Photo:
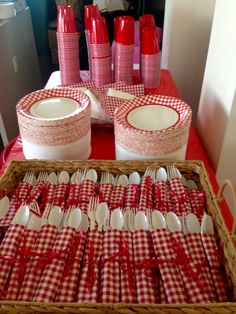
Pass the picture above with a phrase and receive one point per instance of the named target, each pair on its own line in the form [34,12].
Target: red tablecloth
[103,146]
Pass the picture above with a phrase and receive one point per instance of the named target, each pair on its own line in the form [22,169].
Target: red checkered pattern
[132,195]
[144,277]
[68,287]
[172,280]
[117,197]
[60,194]
[162,293]
[160,196]
[35,192]
[9,247]
[87,189]
[195,289]
[43,244]
[145,200]
[127,282]
[14,283]
[87,84]
[52,274]
[109,105]
[105,190]
[73,195]
[47,195]
[198,256]
[116,85]
[197,202]
[110,272]
[211,251]
[178,200]
[88,288]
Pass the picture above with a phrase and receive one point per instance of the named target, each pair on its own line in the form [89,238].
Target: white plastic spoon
[134,178]
[122,180]
[193,224]
[84,224]
[173,222]
[74,218]
[92,175]
[207,224]
[55,216]
[52,178]
[158,220]
[101,214]
[117,219]
[63,177]
[22,215]
[140,221]
[161,174]
[34,222]
[4,204]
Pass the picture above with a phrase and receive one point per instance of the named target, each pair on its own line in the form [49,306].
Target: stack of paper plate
[55,124]
[152,127]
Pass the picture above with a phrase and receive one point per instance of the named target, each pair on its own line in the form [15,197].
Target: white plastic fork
[150,172]
[29,178]
[34,208]
[46,214]
[91,211]
[42,177]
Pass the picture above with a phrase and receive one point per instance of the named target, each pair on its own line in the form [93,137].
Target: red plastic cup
[124,30]
[98,31]
[90,10]
[66,20]
[146,20]
[149,41]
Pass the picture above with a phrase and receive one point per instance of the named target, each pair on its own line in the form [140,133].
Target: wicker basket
[191,169]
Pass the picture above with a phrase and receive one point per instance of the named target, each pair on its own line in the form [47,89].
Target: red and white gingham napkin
[104,194]
[160,196]
[8,249]
[117,197]
[172,280]
[178,201]
[145,201]
[162,293]
[198,256]
[69,282]
[132,195]
[87,190]
[195,290]
[145,277]
[211,251]
[109,105]
[197,199]
[52,274]
[110,269]
[43,245]
[127,279]
[35,192]
[18,270]
[88,288]
[60,194]
[47,195]
[73,195]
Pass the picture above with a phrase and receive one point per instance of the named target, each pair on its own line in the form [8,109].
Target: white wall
[216,114]
[187,28]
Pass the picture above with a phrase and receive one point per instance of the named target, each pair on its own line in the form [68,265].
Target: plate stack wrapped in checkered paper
[152,127]
[55,124]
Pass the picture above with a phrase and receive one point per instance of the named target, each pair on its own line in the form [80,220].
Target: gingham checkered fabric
[9,247]
[52,274]
[160,197]
[60,194]
[198,256]
[211,251]
[195,290]
[145,200]
[109,105]
[47,195]
[117,197]
[68,286]
[35,192]
[110,271]
[132,195]
[20,195]
[178,201]
[88,288]
[88,84]
[105,190]
[73,195]
[162,293]
[14,283]
[87,189]
[197,202]
[43,244]
[127,277]
[173,284]
[144,277]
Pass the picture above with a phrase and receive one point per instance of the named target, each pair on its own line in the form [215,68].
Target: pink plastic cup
[90,10]
[124,30]
[149,41]
[66,20]
[146,20]
[98,31]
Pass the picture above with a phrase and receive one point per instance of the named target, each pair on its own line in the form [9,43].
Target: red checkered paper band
[52,274]
[8,249]
[197,202]
[35,192]
[117,197]
[146,281]
[34,271]
[72,195]
[105,191]
[88,288]
[47,195]
[69,282]
[60,194]
[145,200]
[18,270]
[160,196]
[87,190]
[132,195]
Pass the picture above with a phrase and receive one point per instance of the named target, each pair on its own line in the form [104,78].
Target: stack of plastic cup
[68,45]
[146,20]
[90,10]
[123,48]
[100,52]
[150,57]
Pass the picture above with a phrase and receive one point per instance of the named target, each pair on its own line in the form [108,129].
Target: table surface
[103,143]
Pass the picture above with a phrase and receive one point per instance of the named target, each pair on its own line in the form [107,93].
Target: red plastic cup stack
[100,51]
[68,45]
[90,10]
[123,48]
[150,57]
[146,20]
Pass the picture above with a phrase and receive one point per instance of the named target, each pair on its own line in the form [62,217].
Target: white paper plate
[152,117]
[54,108]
